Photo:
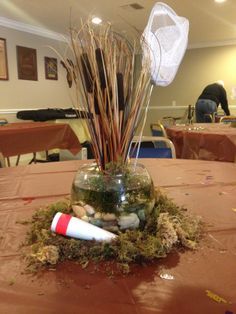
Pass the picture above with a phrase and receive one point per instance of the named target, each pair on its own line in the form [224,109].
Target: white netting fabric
[164,42]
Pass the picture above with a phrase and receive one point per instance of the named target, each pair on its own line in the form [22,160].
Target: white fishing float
[74,227]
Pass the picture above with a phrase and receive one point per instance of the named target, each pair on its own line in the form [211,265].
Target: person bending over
[209,100]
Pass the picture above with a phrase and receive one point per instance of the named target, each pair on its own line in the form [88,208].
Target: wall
[25,94]
[198,68]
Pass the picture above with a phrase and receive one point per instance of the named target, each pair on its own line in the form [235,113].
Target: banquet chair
[148,149]
[3,121]
[208,118]
[157,129]
[227,119]
[35,159]
[187,117]
[168,121]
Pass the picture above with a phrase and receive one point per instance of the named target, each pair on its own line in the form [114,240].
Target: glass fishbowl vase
[114,202]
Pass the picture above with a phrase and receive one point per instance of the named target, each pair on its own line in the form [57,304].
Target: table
[206,188]
[79,126]
[207,141]
[24,138]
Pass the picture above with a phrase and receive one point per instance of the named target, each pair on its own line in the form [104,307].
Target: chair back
[169,121]
[3,121]
[227,119]
[158,129]
[149,150]
[209,118]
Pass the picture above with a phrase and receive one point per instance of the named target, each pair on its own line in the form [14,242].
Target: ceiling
[210,23]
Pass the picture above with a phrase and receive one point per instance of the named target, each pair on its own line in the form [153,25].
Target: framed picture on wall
[50,68]
[27,63]
[3,60]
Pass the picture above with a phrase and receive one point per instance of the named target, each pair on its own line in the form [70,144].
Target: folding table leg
[18,159]
[2,161]
[33,159]
[8,162]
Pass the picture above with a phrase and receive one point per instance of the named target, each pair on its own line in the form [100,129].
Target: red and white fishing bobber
[76,228]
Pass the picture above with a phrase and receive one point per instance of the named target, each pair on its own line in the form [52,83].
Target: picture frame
[51,72]
[27,63]
[3,60]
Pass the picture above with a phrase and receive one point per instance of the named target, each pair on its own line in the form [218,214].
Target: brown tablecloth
[207,141]
[24,138]
[205,188]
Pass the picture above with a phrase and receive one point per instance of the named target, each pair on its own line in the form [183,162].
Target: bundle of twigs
[110,88]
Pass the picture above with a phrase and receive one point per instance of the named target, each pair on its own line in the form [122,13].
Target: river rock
[98,215]
[85,218]
[96,222]
[79,211]
[109,217]
[81,203]
[130,221]
[109,223]
[141,215]
[89,210]
[120,209]
[114,229]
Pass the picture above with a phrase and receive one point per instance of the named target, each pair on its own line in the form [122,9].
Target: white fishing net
[164,42]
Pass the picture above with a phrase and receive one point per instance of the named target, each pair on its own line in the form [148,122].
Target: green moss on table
[168,227]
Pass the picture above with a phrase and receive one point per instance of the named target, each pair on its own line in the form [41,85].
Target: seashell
[130,221]
[89,210]
[79,211]
[109,217]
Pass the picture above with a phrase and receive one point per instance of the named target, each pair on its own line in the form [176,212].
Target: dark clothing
[217,93]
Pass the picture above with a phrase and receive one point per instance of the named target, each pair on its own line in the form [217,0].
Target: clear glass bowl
[119,200]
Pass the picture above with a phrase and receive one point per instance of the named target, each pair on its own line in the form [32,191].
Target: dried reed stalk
[110,87]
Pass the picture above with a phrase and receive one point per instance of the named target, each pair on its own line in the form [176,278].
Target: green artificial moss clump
[167,227]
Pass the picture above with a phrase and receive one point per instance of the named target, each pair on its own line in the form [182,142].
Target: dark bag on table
[50,114]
